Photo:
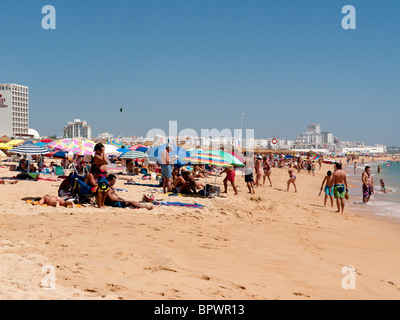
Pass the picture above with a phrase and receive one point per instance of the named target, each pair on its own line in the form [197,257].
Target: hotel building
[14,110]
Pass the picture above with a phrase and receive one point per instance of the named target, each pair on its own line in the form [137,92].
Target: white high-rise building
[14,110]
[77,129]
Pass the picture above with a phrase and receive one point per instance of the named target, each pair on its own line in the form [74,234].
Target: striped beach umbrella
[133,155]
[227,157]
[207,158]
[29,149]
[115,143]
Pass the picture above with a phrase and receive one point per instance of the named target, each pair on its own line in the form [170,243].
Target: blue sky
[201,62]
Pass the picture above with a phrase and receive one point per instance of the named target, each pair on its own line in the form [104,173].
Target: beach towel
[144,185]
[178,204]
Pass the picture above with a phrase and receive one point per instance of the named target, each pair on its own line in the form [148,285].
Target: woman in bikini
[100,160]
[292,178]
[267,171]
[259,171]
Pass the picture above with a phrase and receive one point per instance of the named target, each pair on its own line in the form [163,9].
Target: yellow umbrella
[5,146]
[13,143]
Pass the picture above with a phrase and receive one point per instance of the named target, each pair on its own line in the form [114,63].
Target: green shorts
[339,191]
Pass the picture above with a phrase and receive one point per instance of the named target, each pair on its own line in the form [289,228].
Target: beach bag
[210,191]
[13,167]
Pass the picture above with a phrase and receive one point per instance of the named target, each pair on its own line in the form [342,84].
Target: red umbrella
[46,140]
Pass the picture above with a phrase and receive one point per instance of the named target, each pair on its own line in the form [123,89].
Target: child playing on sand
[56,201]
[230,176]
[100,160]
[328,187]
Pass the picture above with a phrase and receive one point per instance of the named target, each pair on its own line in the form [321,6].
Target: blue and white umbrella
[154,154]
[29,149]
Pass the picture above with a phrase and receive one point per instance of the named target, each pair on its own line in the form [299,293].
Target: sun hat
[170,147]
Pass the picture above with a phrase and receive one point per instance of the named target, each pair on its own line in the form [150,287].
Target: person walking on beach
[259,171]
[328,187]
[379,169]
[166,170]
[267,171]
[340,188]
[248,172]
[292,178]
[230,176]
[367,186]
[355,167]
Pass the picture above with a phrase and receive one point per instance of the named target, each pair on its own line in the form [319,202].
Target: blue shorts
[329,191]
[166,171]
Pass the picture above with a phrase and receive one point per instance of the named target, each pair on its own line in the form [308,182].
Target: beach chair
[81,190]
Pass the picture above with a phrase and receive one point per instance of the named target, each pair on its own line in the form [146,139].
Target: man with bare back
[340,187]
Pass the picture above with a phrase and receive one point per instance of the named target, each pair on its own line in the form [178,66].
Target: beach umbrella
[46,140]
[228,157]
[29,149]
[206,158]
[5,146]
[123,150]
[58,154]
[2,155]
[115,143]
[135,147]
[41,144]
[60,144]
[13,143]
[111,150]
[154,154]
[133,155]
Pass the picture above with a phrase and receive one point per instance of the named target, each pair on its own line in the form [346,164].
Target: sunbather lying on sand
[113,200]
[56,201]
[7,182]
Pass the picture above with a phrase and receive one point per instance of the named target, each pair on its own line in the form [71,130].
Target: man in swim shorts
[230,176]
[367,184]
[328,187]
[166,170]
[340,187]
[248,172]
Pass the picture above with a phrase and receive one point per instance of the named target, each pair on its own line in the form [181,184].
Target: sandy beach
[271,245]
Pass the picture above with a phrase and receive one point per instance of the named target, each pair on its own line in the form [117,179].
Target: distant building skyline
[77,129]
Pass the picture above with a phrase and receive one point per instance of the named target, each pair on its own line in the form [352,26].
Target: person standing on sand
[166,170]
[328,188]
[100,161]
[367,187]
[259,171]
[355,167]
[230,176]
[340,187]
[267,171]
[248,172]
[379,169]
[292,178]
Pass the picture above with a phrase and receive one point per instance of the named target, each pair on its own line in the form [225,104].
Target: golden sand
[271,245]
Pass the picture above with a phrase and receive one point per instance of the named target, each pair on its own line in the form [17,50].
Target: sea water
[386,205]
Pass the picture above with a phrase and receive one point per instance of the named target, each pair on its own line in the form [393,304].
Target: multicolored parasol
[207,158]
